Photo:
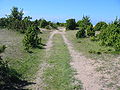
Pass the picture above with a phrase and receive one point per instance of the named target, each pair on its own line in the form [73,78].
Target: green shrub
[31,39]
[110,36]
[43,23]
[98,52]
[90,31]
[93,38]
[86,28]
[106,50]
[48,27]
[117,44]
[16,21]
[81,33]
[100,25]
[2,48]
[85,22]
[70,24]
[54,26]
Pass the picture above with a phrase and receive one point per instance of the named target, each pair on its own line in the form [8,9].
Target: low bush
[43,23]
[48,27]
[31,39]
[94,38]
[81,33]
[70,24]
[2,48]
[90,31]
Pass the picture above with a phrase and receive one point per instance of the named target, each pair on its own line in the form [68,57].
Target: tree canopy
[70,24]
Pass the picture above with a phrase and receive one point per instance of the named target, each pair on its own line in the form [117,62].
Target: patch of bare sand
[110,71]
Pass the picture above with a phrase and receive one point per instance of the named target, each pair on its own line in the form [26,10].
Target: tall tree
[16,14]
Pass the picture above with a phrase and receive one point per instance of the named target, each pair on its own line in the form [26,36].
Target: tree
[43,23]
[58,23]
[100,25]
[16,21]
[86,22]
[53,25]
[90,31]
[70,24]
[81,33]
[16,14]
[80,23]
[31,39]
[3,22]
[86,28]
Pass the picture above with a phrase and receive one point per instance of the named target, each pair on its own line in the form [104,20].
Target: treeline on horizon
[109,32]
[17,21]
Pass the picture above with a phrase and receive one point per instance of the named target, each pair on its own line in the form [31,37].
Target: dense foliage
[100,25]
[16,21]
[109,33]
[70,24]
[90,31]
[85,28]
[81,33]
[43,23]
[85,22]
[31,39]
[110,36]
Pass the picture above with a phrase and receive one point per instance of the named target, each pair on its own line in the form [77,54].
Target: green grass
[59,74]
[85,46]
[24,63]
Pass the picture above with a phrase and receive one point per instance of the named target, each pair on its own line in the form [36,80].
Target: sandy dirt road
[85,70]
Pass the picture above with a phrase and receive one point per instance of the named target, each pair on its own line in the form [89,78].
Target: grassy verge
[85,45]
[24,63]
[59,75]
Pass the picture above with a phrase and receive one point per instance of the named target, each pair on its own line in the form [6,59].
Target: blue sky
[60,10]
